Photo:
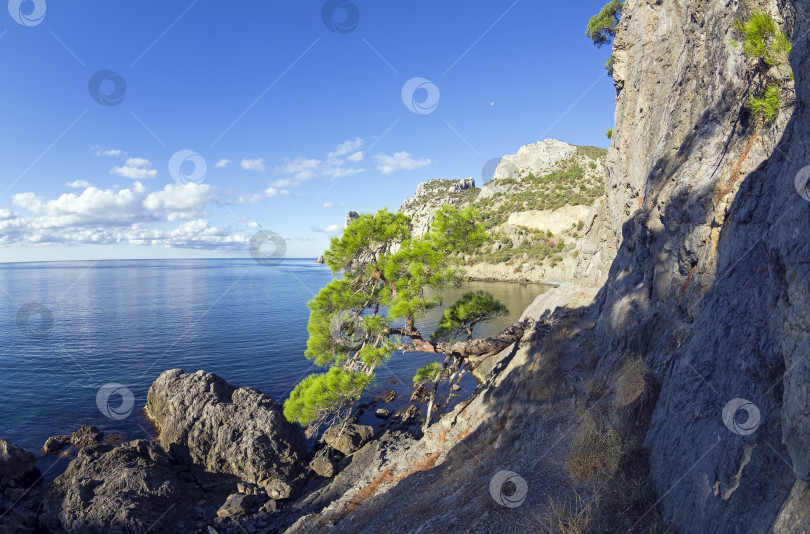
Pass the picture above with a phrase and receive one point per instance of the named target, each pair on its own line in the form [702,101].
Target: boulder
[129,488]
[236,505]
[86,435]
[382,413]
[15,462]
[240,431]
[349,438]
[320,259]
[323,466]
[55,444]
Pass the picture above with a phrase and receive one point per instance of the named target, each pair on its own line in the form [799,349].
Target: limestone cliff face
[548,186]
[710,283]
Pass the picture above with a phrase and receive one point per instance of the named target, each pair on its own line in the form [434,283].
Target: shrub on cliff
[389,279]
[602,26]
[767,47]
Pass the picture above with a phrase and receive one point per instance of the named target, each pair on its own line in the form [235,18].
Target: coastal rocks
[320,259]
[537,158]
[86,435]
[348,438]
[236,505]
[323,464]
[55,444]
[240,431]
[20,495]
[129,488]
[15,462]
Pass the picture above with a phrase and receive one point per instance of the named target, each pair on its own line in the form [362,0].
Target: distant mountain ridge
[537,207]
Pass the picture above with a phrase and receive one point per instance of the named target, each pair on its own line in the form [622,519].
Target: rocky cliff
[539,207]
[677,397]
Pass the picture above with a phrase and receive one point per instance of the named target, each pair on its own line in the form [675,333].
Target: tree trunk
[433,389]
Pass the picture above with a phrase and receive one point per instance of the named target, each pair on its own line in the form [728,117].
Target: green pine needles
[762,39]
[767,46]
[767,106]
[389,279]
[602,26]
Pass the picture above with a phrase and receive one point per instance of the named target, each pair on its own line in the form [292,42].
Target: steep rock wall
[711,281]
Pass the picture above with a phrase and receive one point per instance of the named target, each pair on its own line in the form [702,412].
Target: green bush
[762,39]
[767,106]
[610,134]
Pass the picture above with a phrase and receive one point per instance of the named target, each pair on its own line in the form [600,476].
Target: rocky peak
[537,158]
[352,215]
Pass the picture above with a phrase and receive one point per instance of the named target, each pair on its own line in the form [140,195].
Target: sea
[82,341]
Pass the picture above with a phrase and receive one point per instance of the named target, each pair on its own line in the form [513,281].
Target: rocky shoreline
[224,460]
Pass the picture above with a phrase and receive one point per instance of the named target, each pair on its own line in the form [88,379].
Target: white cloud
[337,164]
[136,169]
[301,168]
[332,228]
[253,164]
[286,182]
[400,161]
[328,204]
[197,234]
[78,184]
[98,216]
[253,224]
[111,153]
[221,164]
[179,202]
[348,146]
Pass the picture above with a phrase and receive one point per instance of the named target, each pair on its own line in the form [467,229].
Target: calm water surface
[69,328]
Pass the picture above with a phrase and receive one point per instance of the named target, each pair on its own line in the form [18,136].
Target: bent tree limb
[475,351]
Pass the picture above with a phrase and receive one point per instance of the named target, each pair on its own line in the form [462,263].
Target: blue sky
[294,122]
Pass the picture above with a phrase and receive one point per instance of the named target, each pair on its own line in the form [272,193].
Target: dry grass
[575,519]
[595,452]
[631,384]
[595,387]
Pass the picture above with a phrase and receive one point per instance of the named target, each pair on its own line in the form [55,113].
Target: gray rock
[236,505]
[130,488]
[15,462]
[352,215]
[239,431]
[323,466]
[320,259]
[382,413]
[276,489]
[348,438]
[55,444]
[86,435]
